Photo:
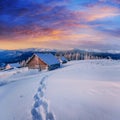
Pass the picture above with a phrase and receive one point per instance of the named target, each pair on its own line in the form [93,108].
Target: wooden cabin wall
[36,63]
[7,66]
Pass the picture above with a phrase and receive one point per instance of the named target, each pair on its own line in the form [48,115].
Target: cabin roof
[14,65]
[48,58]
[63,58]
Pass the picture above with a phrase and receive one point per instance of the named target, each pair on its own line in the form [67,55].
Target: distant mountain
[38,50]
[115,55]
[11,56]
[98,50]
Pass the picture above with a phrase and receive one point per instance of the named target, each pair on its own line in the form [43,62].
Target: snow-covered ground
[80,90]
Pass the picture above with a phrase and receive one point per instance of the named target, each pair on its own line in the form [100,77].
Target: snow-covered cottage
[9,66]
[62,60]
[15,65]
[43,61]
[4,66]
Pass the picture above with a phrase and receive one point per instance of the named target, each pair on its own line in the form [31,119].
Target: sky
[60,24]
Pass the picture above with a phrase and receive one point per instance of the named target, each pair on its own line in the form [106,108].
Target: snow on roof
[63,58]
[48,58]
[14,65]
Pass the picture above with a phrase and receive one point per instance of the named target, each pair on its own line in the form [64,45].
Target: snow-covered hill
[80,90]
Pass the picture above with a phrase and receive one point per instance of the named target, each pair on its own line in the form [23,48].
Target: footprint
[40,109]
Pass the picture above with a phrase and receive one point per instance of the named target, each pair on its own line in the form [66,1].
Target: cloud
[111,32]
[59,22]
[33,19]
[98,12]
[116,1]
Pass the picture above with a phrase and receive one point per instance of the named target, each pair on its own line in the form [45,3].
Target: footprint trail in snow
[40,110]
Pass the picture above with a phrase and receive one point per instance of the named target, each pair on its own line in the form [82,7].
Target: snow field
[80,90]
